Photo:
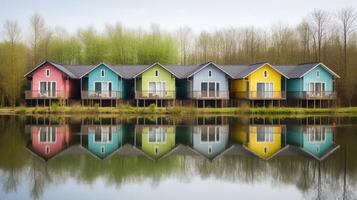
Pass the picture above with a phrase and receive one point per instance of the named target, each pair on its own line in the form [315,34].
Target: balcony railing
[209,95]
[260,95]
[328,95]
[155,94]
[101,94]
[45,94]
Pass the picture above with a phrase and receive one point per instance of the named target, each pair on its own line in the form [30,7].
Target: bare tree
[37,28]
[320,20]
[347,18]
[185,38]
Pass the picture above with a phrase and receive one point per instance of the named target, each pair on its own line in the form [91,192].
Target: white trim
[110,133]
[207,64]
[161,93]
[161,132]
[53,65]
[156,63]
[314,82]
[266,134]
[324,66]
[312,130]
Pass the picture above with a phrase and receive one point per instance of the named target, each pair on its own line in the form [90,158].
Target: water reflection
[207,137]
[236,150]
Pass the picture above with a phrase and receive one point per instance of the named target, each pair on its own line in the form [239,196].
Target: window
[209,149]
[157,150]
[210,89]
[47,150]
[102,149]
[316,134]
[316,88]
[317,73]
[103,134]
[156,73]
[265,73]
[156,135]
[47,89]
[47,73]
[47,134]
[210,133]
[265,90]
[157,89]
[265,134]
[209,73]
[102,73]
[265,150]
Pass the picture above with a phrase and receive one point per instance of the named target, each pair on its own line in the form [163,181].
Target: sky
[168,14]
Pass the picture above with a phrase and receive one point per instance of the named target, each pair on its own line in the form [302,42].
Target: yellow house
[265,141]
[260,81]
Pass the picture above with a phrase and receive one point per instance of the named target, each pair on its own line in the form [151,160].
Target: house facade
[210,140]
[155,82]
[260,81]
[102,82]
[313,81]
[49,140]
[49,81]
[208,81]
[316,140]
[101,140]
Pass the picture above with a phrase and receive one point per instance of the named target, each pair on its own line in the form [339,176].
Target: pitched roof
[58,66]
[242,71]
[298,71]
[129,71]
[202,66]
[182,71]
[79,70]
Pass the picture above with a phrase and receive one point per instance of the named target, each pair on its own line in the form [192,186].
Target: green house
[155,140]
[155,82]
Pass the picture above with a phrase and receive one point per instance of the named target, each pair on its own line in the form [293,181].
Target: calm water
[211,157]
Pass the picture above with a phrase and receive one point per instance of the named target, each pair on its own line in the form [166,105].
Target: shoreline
[151,110]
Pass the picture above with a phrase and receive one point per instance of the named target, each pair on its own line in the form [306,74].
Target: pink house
[50,81]
[49,140]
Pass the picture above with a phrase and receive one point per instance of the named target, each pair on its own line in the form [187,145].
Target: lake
[183,157]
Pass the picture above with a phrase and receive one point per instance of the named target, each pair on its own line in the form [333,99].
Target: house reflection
[210,136]
[48,140]
[316,140]
[155,140]
[264,141]
[102,139]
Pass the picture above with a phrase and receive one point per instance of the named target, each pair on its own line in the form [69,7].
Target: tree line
[320,36]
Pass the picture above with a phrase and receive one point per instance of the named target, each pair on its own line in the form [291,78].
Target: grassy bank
[174,110]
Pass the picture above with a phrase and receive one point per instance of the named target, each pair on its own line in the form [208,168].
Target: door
[105,89]
[217,90]
[152,88]
[98,88]
[53,89]
[260,90]
[43,86]
[212,91]
[204,89]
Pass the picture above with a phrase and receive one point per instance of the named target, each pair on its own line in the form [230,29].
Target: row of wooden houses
[204,84]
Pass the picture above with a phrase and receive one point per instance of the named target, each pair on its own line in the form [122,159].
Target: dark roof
[182,71]
[236,71]
[79,70]
[202,66]
[297,71]
[129,71]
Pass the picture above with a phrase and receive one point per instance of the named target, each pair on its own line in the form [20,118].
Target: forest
[322,36]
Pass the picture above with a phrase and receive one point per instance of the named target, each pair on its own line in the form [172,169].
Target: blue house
[102,82]
[310,81]
[210,140]
[316,140]
[101,140]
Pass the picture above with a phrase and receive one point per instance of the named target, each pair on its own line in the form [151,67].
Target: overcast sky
[168,14]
